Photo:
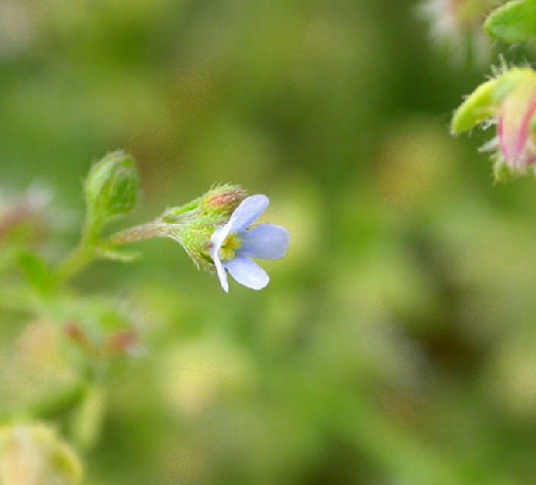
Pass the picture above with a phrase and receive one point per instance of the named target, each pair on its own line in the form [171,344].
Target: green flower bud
[111,188]
[33,454]
[222,199]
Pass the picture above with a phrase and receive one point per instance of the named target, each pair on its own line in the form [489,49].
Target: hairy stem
[137,233]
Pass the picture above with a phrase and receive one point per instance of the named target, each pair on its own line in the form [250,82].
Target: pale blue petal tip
[249,210]
[247,273]
[266,241]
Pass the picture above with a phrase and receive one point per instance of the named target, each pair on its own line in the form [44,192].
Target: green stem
[79,258]
[88,248]
[138,233]
[83,253]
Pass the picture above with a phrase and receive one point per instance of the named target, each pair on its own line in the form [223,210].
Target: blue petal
[247,273]
[249,210]
[266,241]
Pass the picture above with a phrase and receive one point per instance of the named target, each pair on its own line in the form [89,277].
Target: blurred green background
[396,343]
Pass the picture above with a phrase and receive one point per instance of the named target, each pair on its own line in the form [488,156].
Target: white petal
[218,238]
[266,241]
[222,275]
[249,210]
[247,273]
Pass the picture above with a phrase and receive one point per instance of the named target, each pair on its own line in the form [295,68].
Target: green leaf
[513,22]
[36,271]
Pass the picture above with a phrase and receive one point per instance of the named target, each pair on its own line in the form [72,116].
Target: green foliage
[87,420]
[36,271]
[513,22]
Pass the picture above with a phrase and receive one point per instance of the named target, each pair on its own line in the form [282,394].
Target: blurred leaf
[513,22]
[87,420]
[36,271]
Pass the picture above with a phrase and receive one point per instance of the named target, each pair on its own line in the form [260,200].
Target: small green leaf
[36,271]
[513,22]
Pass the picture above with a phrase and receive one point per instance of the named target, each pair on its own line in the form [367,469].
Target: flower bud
[222,199]
[111,188]
[34,455]
[509,102]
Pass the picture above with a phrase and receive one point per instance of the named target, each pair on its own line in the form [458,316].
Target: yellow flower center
[229,246]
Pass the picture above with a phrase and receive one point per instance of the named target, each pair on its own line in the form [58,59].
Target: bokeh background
[396,343]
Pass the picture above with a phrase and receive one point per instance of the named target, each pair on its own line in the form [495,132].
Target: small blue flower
[234,244]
